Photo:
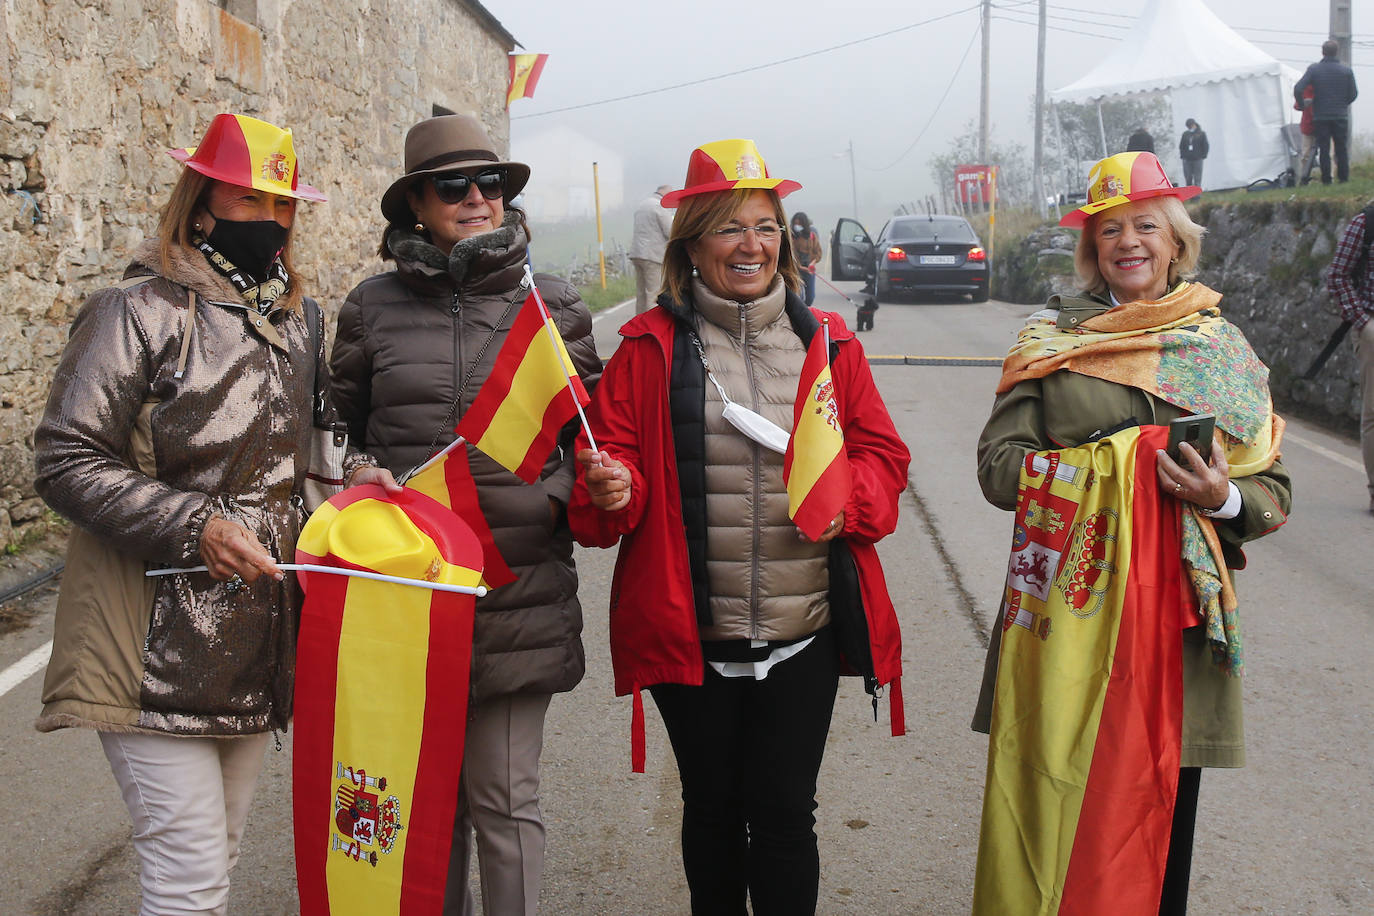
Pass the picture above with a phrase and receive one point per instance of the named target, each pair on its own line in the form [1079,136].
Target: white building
[561,183]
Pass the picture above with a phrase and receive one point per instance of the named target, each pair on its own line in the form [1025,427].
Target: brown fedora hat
[447,143]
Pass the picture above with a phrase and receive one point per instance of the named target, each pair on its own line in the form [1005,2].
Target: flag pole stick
[544,314]
[438,456]
[478,590]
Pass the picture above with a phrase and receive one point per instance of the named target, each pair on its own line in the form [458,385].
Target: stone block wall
[93,91]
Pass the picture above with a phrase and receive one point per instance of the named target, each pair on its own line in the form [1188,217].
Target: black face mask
[251,244]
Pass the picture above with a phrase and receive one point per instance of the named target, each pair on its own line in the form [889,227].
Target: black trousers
[1178,867]
[1327,134]
[749,752]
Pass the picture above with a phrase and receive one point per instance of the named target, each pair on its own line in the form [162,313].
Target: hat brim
[1076,219]
[302,191]
[397,210]
[780,186]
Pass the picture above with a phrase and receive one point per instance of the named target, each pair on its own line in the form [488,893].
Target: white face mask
[758,428]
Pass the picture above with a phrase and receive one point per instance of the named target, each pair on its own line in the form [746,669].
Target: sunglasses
[453,188]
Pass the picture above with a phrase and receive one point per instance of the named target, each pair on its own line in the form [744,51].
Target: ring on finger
[234,583]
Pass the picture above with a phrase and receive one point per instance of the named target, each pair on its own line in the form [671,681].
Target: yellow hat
[724,166]
[249,153]
[1122,178]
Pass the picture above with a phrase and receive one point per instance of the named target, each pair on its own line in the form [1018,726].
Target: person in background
[413,347]
[807,245]
[1307,157]
[1333,85]
[1136,253]
[178,433]
[1140,141]
[1350,281]
[1192,149]
[719,607]
[652,226]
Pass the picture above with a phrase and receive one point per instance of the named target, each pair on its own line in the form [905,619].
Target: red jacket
[653,625]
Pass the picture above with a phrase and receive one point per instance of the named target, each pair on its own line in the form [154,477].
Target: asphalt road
[898,819]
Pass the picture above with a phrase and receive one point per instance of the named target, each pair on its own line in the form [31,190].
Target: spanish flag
[525,70]
[532,391]
[447,479]
[815,467]
[1084,751]
[380,704]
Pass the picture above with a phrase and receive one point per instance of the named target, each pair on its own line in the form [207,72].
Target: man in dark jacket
[1333,85]
[1192,149]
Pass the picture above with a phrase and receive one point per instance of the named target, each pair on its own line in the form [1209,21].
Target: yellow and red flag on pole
[447,479]
[532,391]
[815,467]
[525,70]
[1086,734]
[381,703]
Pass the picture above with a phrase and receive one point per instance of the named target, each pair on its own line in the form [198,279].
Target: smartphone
[1196,430]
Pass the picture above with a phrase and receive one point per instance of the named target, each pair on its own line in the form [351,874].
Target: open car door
[851,251]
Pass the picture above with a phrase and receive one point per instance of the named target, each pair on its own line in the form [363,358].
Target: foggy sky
[878,94]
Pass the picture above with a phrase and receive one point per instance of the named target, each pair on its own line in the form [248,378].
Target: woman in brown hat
[178,433]
[413,348]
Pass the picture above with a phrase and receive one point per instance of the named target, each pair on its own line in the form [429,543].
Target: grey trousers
[648,281]
[1364,360]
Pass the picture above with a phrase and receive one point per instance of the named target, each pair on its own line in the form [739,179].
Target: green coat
[1066,409]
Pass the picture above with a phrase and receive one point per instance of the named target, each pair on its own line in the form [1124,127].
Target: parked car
[932,254]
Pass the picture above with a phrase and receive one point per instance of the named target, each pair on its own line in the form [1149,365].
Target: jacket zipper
[756,521]
[456,310]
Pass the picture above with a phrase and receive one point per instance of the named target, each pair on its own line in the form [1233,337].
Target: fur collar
[419,254]
[187,268]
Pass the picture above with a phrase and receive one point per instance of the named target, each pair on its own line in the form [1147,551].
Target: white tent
[1240,95]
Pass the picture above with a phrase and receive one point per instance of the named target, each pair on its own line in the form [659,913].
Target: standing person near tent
[1308,155]
[1192,149]
[808,247]
[413,348]
[1350,281]
[719,607]
[1098,373]
[652,225]
[1333,85]
[177,433]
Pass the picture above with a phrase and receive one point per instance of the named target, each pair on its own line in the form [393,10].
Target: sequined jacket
[407,339]
[139,458]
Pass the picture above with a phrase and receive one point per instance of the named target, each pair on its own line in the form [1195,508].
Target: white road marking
[1351,463]
[25,668]
[606,313]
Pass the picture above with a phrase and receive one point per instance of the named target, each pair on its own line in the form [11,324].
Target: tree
[1013,161]
[1080,134]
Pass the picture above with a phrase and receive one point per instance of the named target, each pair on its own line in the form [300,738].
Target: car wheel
[882,291]
[981,295]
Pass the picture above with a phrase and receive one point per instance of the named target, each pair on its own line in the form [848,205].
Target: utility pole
[983,126]
[1340,28]
[1039,183]
[853,181]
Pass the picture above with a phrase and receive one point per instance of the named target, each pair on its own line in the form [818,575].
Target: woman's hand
[831,532]
[372,474]
[1205,484]
[229,550]
[608,481]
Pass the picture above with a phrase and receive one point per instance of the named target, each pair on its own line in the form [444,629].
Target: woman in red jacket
[718,606]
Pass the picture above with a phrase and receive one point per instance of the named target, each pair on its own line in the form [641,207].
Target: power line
[753,69]
[1059,28]
[936,110]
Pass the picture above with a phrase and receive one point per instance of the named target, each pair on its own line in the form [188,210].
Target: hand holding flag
[815,467]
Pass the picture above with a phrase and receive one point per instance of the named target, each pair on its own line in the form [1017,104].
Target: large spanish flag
[447,479]
[1084,750]
[815,467]
[380,704]
[532,391]
[525,70]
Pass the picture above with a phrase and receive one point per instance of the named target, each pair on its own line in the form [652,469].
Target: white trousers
[189,799]
[498,795]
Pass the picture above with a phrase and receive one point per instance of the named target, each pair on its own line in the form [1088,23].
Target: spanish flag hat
[1122,178]
[724,166]
[244,151]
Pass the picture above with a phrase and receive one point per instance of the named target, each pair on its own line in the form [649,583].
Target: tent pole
[1063,162]
[1102,130]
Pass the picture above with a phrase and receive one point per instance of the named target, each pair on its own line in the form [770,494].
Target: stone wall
[93,91]
[1268,259]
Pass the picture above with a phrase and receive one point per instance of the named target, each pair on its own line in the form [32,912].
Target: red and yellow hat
[244,151]
[725,165]
[1122,178]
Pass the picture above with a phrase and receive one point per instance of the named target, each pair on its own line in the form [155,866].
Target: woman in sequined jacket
[177,433]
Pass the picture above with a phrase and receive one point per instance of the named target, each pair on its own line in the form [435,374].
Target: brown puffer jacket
[413,341]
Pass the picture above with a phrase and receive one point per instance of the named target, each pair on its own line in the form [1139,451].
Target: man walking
[1192,149]
[1350,280]
[652,226]
[1333,85]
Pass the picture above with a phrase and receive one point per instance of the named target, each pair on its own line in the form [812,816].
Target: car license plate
[939,259]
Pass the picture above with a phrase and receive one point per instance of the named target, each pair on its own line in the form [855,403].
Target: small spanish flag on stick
[815,467]
[532,391]
[447,479]
[525,70]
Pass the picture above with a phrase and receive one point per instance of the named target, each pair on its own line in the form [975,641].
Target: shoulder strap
[186,333]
